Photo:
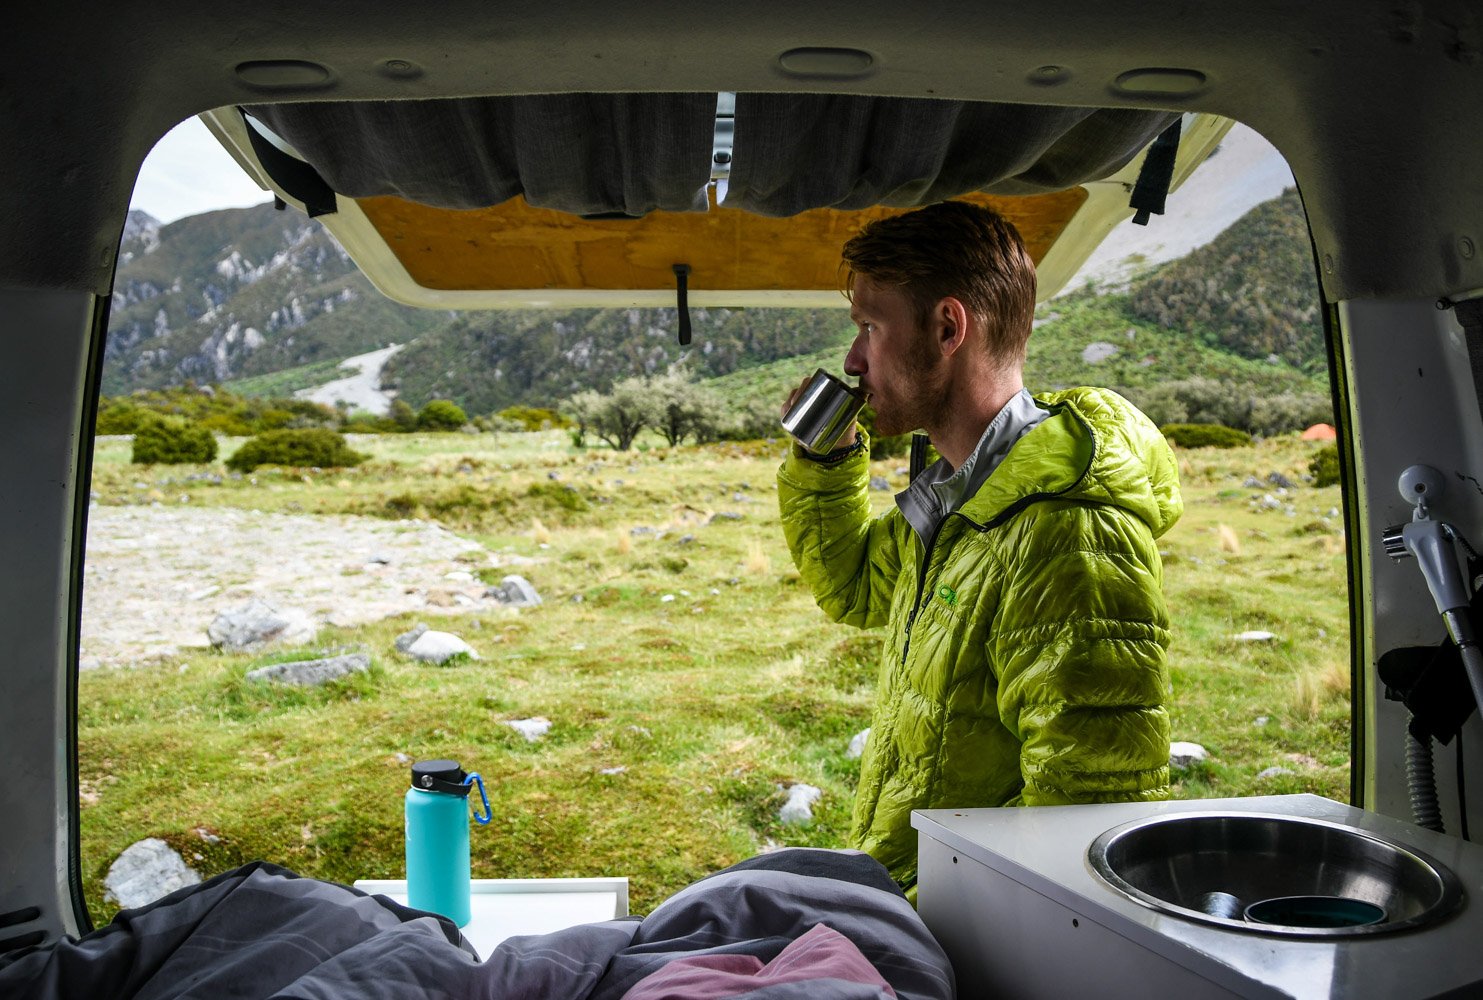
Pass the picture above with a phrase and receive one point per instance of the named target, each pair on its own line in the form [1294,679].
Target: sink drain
[1315,911]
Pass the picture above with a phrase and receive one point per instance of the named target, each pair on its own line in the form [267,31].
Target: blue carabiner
[483,820]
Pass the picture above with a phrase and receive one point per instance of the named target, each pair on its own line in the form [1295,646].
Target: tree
[682,408]
[617,417]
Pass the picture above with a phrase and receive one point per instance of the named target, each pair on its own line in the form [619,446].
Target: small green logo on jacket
[948,594]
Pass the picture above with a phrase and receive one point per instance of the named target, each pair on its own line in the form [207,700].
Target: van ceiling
[1317,79]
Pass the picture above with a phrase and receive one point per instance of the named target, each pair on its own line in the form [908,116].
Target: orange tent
[1319,432]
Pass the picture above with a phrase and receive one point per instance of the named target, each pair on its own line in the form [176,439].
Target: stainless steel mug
[823,413]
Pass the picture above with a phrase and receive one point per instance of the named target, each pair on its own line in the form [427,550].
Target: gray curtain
[630,154]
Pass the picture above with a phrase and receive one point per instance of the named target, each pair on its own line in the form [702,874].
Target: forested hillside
[1252,290]
[488,361]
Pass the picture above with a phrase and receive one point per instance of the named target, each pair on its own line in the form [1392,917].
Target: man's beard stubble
[925,376]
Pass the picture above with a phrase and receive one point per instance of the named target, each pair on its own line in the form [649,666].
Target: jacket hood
[1094,446]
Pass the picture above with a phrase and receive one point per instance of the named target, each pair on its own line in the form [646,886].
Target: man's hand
[844,442]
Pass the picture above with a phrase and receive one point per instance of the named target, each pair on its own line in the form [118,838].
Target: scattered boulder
[798,809]
[145,871]
[515,592]
[1280,481]
[857,744]
[405,640]
[1097,352]
[879,483]
[1183,754]
[1253,483]
[1272,772]
[437,647]
[1254,635]
[312,673]
[724,515]
[531,729]
[258,623]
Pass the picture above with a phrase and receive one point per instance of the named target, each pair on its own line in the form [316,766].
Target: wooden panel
[515,246]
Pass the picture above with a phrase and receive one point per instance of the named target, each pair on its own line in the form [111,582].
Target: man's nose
[854,361]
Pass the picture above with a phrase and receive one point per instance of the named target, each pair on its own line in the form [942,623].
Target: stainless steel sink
[1272,874]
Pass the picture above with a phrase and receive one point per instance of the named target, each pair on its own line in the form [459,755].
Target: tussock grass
[712,702]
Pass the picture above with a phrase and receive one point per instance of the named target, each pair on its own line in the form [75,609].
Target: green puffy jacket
[1024,659]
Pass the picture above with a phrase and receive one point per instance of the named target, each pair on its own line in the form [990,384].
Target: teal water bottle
[438,838]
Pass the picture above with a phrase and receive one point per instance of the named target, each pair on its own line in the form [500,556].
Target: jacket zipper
[1003,516]
[916,605]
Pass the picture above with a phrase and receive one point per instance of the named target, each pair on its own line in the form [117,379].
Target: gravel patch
[155,577]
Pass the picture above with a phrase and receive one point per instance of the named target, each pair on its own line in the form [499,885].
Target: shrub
[533,418]
[402,415]
[752,420]
[1325,465]
[1197,401]
[317,447]
[118,416]
[172,442]
[1205,435]
[441,415]
[1289,411]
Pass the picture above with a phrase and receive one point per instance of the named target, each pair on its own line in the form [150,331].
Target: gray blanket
[261,931]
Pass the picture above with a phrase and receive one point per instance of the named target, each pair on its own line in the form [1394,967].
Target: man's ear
[951,320]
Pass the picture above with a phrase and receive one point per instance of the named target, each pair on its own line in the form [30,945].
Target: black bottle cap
[439,776]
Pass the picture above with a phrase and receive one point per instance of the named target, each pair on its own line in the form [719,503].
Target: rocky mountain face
[244,292]
[240,292]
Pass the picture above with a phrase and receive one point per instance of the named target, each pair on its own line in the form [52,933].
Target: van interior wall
[1413,402]
[45,339]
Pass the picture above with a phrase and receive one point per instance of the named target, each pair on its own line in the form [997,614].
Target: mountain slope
[1252,290]
[236,293]
[488,361]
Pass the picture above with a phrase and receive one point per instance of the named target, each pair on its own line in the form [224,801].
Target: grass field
[688,675]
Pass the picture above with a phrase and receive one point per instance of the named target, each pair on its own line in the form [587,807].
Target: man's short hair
[953,248]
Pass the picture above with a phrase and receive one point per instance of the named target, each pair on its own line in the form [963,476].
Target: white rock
[312,673]
[433,646]
[257,623]
[1183,754]
[613,770]
[798,808]
[857,744]
[515,592]
[1272,772]
[404,641]
[1255,635]
[531,729]
[144,872]
[1098,351]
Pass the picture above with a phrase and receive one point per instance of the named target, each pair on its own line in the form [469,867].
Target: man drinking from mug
[1017,578]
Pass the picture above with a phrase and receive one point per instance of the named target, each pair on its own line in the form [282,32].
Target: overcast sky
[188,172]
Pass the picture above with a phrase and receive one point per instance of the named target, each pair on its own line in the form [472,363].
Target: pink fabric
[821,953]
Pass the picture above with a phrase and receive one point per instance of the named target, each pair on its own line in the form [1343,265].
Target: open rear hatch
[576,200]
